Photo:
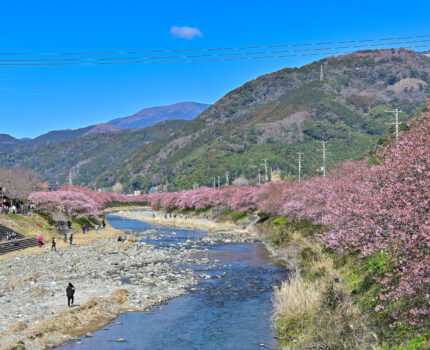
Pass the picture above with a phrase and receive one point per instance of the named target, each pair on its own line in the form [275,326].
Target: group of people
[85,229]
[122,239]
[15,209]
[174,216]
[11,237]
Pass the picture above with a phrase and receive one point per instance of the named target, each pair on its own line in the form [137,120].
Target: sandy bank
[193,222]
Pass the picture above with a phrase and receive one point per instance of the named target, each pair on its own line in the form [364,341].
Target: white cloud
[185,32]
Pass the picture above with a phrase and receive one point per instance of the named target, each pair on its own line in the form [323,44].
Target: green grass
[280,229]
[235,215]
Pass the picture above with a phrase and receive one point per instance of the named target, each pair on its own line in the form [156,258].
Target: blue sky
[36,99]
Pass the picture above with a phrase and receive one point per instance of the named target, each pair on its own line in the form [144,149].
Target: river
[232,312]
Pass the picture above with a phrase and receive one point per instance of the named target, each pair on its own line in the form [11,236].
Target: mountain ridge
[182,110]
[271,117]
[142,119]
[347,108]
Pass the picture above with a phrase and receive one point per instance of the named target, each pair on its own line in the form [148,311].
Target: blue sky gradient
[36,99]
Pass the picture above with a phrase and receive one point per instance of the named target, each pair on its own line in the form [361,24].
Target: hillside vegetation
[88,156]
[274,117]
[279,114]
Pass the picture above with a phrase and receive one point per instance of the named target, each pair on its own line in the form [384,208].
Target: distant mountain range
[272,117]
[145,118]
[151,116]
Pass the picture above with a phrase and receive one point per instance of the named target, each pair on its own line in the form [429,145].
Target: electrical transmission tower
[321,73]
[227,182]
[300,165]
[214,183]
[70,178]
[259,177]
[218,180]
[396,123]
[324,150]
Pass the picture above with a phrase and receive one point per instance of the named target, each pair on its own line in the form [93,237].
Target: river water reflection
[232,312]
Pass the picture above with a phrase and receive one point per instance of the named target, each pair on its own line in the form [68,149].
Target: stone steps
[22,243]
[6,230]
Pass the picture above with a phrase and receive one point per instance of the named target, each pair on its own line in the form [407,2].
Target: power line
[191,60]
[206,55]
[211,49]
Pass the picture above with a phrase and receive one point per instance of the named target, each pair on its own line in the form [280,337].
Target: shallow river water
[232,312]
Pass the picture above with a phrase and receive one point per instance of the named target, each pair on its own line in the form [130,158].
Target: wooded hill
[282,113]
[274,117]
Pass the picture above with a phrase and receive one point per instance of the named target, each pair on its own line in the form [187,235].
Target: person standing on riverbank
[40,240]
[70,291]
[71,238]
[104,225]
[54,244]
[96,227]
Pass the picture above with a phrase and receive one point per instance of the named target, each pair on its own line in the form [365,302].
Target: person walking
[70,291]
[71,238]
[104,225]
[40,240]
[54,244]
[96,227]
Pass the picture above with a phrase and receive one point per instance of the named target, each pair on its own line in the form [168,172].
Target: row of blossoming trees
[382,209]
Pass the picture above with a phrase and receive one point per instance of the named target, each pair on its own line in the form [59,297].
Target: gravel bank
[109,278]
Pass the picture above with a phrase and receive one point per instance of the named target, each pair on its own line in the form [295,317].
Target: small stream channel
[232,312]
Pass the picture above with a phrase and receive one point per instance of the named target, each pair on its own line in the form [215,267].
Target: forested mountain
[142,119]
[282,113]
[272,117]
[88,156]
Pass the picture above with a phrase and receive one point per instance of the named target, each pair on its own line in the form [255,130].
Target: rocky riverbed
[32,287]
[110,278]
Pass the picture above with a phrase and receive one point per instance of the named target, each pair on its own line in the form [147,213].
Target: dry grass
[317,311]
[296,295]
[295,303]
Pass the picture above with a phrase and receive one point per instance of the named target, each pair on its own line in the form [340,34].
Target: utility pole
[396,123]
[324,149]
[218,181]
[70,178]
[259,177]
[226,178]
[300,165]
[214,183]
[265,169]
[321,73]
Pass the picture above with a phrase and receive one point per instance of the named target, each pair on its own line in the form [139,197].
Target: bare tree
[241,181]
[19,182]
[118,188]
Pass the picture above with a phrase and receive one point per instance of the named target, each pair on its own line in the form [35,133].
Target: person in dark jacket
[70,291]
